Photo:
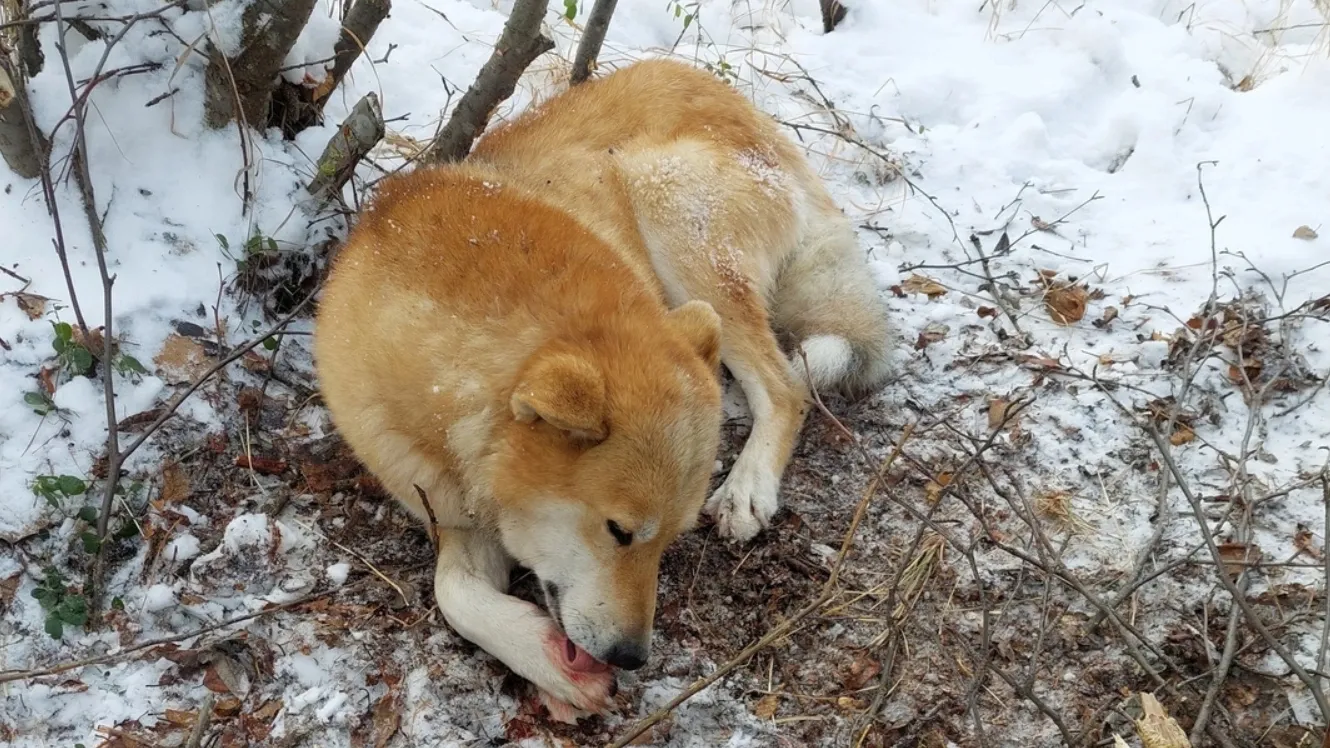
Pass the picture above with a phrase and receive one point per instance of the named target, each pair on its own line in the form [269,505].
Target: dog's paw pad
[560,711]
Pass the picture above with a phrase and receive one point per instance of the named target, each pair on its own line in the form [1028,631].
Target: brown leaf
[139,421]
[1066,304]
[32,305]
[1238,556]
[766,707]
[1039,362]
[181,360]
[8,589]
[228,706]
[1110,314]
[385,718]
[1246,84]
[1181,435]
[261,465]
[921,284]
[987,312]
[213,681]
[46,377]
[997,412]
[175,484]
[931,334]
[1306,233]
[862,670]
[1040,224]
[933,490]
[1302,540]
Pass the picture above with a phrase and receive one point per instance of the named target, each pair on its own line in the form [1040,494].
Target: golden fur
[533,338]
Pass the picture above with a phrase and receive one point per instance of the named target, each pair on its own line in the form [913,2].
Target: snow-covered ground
[1080,131]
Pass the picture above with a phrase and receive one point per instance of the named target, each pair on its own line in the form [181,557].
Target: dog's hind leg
[469,582]
[826,300]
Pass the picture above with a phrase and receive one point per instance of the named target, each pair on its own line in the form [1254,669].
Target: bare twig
[828,590]
[201,722]
[520,43]
[593,36]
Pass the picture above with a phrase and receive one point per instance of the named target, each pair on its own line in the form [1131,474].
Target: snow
[1008,116]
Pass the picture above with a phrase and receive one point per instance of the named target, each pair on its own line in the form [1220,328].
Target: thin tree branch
[593,36]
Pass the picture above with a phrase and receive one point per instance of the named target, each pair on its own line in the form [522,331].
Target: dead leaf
[181,360]
[997,412]
[862,670]
[1156,728]
[1110,314]
[1306,233]
[8,589]
[139,421]
[924,285]
[766,707]
[46,377]
[1066,304]
[1040,224]
[32,305]
[1238,556]
[1302,540]
[931,334]
[1039,362]
[175,484]
[933,490]
[261,465]
[212,681]
[986,312]
[1246,84]
[1181,435]
[385,718]
[227,707]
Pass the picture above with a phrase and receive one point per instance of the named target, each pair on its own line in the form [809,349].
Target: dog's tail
[827,300]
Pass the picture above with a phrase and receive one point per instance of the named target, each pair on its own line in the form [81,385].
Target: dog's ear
[700,326]
[566,391]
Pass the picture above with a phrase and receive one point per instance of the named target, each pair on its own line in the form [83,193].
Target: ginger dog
[533,338]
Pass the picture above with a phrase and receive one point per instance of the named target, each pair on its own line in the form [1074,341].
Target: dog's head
[606,460]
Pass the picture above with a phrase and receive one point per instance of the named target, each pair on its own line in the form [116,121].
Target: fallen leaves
[1066,304]
[935,486]
[1305,233]
[181,360]
[766,707]
[917,284]
[931,334]
[1238,556]
[32,305]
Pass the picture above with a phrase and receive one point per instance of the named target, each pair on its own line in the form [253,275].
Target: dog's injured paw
[745,502]
[585,685]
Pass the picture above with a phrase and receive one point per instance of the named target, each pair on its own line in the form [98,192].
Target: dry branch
[21,146]
[593,36]
[241,87]
[357,136]
[519,45]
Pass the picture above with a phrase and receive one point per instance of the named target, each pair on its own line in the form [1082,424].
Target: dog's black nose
[627,655]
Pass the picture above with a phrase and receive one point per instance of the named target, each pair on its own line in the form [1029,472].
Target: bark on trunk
[359,133]
[20,145]
[243,86]
[519,45]
[593,36]
[833,12]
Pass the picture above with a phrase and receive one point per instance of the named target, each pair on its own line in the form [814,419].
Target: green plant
[128,366]
[257,245]
[62,608]
[686,12]
[55,488]
[40,402]
[570,9]
[71,355]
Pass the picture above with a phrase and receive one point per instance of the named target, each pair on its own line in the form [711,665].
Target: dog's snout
[627,655]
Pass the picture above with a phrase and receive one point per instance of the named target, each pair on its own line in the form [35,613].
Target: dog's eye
[622,536]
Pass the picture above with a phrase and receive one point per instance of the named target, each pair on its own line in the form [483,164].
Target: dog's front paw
[745,502]
[578,686]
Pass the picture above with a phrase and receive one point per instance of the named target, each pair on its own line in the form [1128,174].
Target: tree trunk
[297,107]
[593,36]
[20,144]
[519,45]
[242,87]
[833,12]
[359,133]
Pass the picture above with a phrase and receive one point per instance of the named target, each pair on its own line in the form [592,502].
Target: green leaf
[272,245]
[71,486]
[73,610]
[88,514]
[54,627]
[63,331]
[570,9]
[687,21]
[44,596]
[117,604]
[270,343]
[80,358]
[126,531]
[91,543]
[221,240]
[36,399]
[132,365]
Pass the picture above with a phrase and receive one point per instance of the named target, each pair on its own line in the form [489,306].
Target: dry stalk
[781,631]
